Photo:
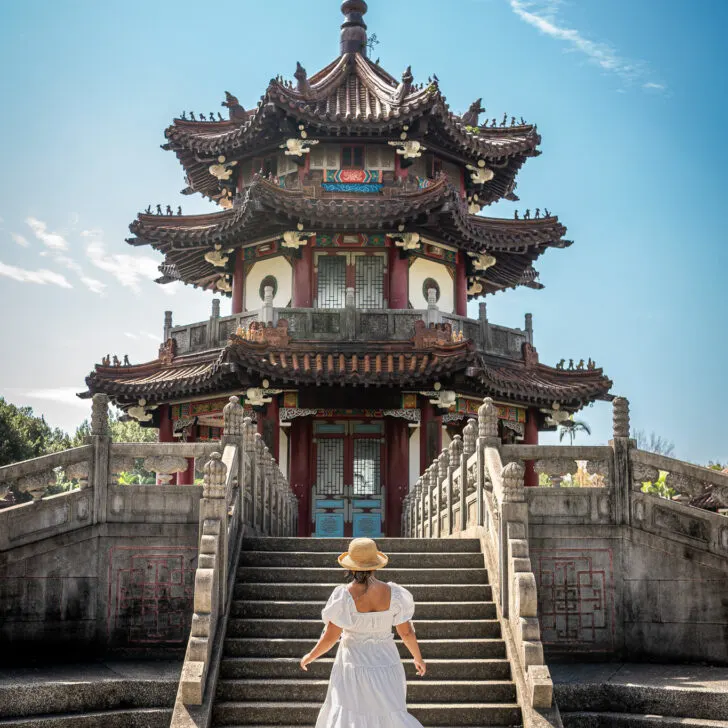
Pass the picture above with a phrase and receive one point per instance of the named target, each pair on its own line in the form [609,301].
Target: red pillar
[303,278]
[166,432]
[398,279]
[238,282]
[187,477]
[301,434]
[269,427]
[461,286]
[530,437]
[397,473]
[399,171]
[430,434]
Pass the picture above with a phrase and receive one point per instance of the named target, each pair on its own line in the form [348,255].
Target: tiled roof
[267,211]
[351,96]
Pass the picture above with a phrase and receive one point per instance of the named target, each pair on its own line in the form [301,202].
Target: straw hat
[363,556]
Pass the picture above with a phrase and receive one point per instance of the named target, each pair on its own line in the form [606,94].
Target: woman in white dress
[367,688]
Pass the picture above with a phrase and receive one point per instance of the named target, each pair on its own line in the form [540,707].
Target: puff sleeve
[403,605]
[339,609]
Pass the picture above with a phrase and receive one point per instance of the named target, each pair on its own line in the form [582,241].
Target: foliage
[544,480]
[473,129]
[24,436]
[659,487]
[653,443]
[137,477]
[571,427]
[718,466]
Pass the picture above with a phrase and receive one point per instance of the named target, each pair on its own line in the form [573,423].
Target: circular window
[430,283]
[268,281]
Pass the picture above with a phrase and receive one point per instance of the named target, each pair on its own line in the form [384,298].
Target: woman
[367,685]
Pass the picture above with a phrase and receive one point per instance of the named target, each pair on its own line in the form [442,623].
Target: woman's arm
[326,641]
[407,632]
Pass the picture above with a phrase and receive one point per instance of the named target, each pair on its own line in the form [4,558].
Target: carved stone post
[101,440]
[444,487]
[213,507]
[420,503]
[622,466]
[267,491]
[259,513]
[248,488]
[470,436]
[167,326]
[266,314]
[234,434]
[487,435]
[456,461]
[513,509]
[433,315]
[431,486]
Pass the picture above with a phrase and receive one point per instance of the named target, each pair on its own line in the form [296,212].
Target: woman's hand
[306,660]
[421,667]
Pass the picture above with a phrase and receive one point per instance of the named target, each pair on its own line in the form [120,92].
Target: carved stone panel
[404,326]
[198,337]
[374,326]
[297,323]
[680,523]
[151,591]
[576,597]
[326,323]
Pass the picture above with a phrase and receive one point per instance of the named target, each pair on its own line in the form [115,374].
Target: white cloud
[51,240]
[542,15]
[153,337]
[130,335]
[20,240]
[42,276]
[94,285]
[64,395]
[129,270]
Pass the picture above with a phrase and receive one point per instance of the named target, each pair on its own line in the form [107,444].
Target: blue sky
[629,96]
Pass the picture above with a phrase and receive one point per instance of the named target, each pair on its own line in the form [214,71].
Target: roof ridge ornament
[405,86]
[233,106]
[303,86]
[353,29]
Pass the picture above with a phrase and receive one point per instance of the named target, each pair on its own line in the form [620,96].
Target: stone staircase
[282,585]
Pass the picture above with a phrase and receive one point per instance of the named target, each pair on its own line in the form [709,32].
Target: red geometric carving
[150,594]
[575,597]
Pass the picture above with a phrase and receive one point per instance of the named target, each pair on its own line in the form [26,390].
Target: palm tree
[570,427]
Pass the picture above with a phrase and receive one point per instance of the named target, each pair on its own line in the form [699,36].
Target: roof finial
[353,29]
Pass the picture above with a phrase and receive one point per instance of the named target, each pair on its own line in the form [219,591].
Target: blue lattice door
[348,494]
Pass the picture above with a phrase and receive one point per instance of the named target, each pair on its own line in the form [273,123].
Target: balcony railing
[352,324]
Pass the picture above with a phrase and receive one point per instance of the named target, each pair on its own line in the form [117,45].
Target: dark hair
[360,577]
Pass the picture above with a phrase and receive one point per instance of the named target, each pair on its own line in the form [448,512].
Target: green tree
[659,487]
[24,436]
[571,427]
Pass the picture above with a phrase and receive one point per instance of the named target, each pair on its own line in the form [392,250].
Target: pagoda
[350,239]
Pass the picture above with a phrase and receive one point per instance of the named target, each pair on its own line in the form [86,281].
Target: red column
[270,431]
[238,282]
[531,438]
[397,473]
[187,477]
[430,434]
[398,279]
[461,286]
[301,434]
[303,278]
[399,171]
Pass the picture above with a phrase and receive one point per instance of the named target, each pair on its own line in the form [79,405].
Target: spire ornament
[353,29]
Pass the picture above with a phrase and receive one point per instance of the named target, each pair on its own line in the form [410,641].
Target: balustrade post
[248,457]
[622,464]
[101,440]
[455,453]
[267,491]
[258,513]
[513,509]
[431,484]
[213,507]
[444,488]
[234,434]
[470,435]
[420,504]
[487,436]
[437,499]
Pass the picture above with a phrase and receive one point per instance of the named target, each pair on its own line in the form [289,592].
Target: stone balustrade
[349,324]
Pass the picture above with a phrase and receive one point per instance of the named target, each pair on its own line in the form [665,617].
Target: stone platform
[597,695]
[112,693]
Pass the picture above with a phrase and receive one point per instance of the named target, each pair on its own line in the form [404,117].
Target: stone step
[404,577]
[312,610]
[325,559]
[322,591]
[418,691]
[586,719]
[431,714]
[684,699]
[28,697]
[288,668]
[388,545]
[486,649]
[300,628]
[131,718]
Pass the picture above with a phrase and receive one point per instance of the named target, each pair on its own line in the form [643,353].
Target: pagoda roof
[266,210]
[352,96]
[244,363]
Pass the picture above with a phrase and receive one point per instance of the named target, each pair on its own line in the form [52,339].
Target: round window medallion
[431,283]
[268,281]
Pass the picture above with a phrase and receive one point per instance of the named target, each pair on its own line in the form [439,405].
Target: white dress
[367,688]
